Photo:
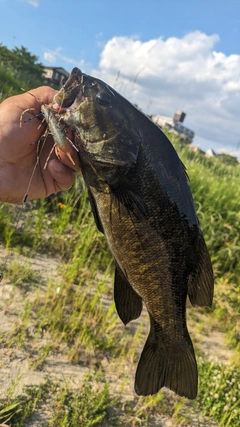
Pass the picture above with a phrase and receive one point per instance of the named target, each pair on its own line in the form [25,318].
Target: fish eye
[103,98]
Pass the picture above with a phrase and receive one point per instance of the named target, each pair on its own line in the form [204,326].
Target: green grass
[220,397]
[76,314]
[88,406]
[21,274]
[216,194]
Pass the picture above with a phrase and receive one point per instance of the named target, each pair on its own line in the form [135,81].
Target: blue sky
[161,54]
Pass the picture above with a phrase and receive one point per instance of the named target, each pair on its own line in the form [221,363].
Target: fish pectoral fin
[171,365]
[128,302]
[128,195]
[201,283]
[95,212]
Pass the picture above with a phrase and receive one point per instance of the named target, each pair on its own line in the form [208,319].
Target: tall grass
[77,312]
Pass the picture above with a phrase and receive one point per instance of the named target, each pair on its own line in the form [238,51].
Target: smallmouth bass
[141,201]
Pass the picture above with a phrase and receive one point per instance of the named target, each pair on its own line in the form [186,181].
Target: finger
[37,97]
[34,99]
[62,175]
[14,119]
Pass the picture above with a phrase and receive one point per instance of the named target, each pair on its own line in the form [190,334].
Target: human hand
[18,153]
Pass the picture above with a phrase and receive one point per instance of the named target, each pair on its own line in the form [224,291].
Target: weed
[87,407]
[219,392]
[21,272]
[17,410]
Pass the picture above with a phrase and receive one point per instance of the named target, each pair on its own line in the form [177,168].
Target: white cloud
[34,3]
[178,73]
[52,56]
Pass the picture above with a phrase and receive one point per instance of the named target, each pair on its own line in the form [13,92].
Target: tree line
[19,69]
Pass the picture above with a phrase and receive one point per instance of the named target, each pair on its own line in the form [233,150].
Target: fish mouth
[70,91]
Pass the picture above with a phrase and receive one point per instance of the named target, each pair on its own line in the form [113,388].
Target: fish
[141,201]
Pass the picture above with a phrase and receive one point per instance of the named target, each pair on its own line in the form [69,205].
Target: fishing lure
[58,131]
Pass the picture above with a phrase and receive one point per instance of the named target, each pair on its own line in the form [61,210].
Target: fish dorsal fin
[201,282]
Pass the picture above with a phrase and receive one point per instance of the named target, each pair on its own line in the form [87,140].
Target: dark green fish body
[142,203]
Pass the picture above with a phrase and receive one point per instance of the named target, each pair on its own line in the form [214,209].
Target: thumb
[63,176]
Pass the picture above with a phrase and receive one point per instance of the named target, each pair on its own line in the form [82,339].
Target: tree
[23,65]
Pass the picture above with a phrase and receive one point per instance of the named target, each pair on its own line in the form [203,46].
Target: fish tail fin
[172,365]
[201,283]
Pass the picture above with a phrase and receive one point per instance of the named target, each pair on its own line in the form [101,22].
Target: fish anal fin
[172,365]
[128,302]
[201,283]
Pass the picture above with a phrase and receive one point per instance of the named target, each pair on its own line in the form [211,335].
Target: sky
[163,55]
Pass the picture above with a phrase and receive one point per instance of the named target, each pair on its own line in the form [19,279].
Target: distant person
[18,153]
